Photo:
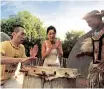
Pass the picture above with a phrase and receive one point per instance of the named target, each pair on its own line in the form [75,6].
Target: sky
[64,15]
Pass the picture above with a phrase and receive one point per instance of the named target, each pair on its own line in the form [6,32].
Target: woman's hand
[59,48]
[49,50]
[57,45]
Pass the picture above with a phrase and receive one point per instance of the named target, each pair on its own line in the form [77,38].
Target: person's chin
[51,39]
[21,41]
[93,28]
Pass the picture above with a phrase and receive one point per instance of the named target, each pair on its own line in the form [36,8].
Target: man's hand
[27,59]
[84,54]
[101,66]
[80,55]
[34,51]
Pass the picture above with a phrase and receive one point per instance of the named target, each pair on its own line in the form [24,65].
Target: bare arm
[8,60]
[44,52]
[60,50]
[84,54]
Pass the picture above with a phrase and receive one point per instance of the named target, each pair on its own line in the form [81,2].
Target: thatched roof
[4,36]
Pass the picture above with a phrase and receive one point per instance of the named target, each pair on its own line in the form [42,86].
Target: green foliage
[30,43]
[35,32]
[6,24]
[70,40]
[32,24]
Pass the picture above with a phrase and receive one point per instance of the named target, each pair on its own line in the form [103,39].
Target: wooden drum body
[49,77]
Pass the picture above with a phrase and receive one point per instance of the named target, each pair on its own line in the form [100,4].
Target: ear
[13,33]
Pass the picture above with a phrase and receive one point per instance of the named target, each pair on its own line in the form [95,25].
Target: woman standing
[51,49]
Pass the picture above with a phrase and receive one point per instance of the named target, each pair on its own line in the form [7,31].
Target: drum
[7,71]
[49,77]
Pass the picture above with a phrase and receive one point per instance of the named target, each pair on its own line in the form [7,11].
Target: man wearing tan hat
[94,46]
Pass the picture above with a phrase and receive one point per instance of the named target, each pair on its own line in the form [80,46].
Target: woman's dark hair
[51,28]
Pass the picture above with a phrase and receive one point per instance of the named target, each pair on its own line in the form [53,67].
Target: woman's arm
[44,52]
[60,50]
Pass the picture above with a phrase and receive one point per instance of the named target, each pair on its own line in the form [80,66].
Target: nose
[52,36]
[23,38]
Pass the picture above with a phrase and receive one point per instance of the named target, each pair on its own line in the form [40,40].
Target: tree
[35,32]
[6,24]
[32,24]
[70,40]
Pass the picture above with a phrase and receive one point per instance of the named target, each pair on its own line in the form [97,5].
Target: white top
[52,58]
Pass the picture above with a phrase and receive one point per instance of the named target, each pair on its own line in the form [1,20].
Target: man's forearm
[88,53]
[8,60]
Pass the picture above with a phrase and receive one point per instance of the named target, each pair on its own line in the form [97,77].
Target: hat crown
[93,13]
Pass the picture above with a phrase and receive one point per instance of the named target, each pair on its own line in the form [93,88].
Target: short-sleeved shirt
[9,50]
